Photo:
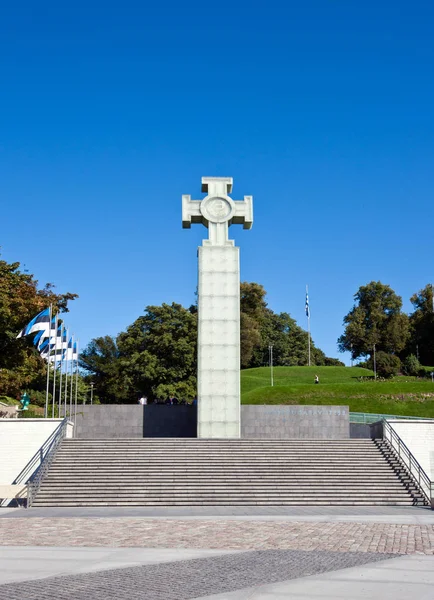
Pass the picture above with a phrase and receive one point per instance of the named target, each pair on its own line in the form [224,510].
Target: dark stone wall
[368,431]
[377,430]
[162,420]
[360,431]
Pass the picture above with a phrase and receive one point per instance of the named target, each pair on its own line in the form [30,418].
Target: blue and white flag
[55,345]
[39,323]
[72,352]
[56,356]
[307,305]
[42,337]
[48,338]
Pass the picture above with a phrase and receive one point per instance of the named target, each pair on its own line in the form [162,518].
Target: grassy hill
[339,385]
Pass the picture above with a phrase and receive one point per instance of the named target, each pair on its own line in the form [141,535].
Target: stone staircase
[192,472]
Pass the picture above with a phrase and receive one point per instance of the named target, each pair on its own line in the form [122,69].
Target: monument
[218,376]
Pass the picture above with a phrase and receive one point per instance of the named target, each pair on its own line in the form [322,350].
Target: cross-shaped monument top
[217,211]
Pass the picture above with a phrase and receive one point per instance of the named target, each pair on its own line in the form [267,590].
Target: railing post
[432,495]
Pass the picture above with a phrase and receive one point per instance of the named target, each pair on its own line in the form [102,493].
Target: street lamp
[375,365]
[270,359]
[91,393]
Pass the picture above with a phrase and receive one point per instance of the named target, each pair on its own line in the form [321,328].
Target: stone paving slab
[185,580]
[219,511]
[219,534]
[24,563]
[403,578]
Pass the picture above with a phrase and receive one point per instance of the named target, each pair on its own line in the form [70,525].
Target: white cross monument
[218,373]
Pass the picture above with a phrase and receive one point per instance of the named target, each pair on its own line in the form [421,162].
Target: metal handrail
[416,471]
[368,418]
[46,453]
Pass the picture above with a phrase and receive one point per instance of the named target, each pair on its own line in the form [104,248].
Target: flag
[56,356]
[39,323]
[55,345]
[307,305]
[71,352]
[42,339]
[49,340]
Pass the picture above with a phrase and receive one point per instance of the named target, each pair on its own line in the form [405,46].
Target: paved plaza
[217,553]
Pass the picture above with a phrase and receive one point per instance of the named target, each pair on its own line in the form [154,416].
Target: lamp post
[375,365]
[270,358]
[91,393]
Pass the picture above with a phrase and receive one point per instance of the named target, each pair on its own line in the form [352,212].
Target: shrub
[411,366]
[333,362]
[388,365]
[38,398]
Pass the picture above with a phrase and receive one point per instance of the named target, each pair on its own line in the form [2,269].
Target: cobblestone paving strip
[184,580]
[219,534]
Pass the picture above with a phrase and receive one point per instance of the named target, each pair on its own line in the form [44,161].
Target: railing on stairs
[398,446]
[37,467]
[368,418]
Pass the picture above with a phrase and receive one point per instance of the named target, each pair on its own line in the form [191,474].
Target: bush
[8,400]
[411,366]
[333,362]
[388,365]
[425,372]
[38,398]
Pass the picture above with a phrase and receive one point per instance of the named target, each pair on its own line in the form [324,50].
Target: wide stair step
[192,472]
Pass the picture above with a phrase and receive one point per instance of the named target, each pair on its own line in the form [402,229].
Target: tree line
[156,354]
[377,328]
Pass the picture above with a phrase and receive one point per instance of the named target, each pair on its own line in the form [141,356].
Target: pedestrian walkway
[231,553]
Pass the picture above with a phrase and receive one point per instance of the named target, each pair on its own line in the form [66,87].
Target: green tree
[261,327]
[422,325]
[253,314]
[158,352]
[20,300]
[411,366]
[376,319]
[101,359]
[155,356]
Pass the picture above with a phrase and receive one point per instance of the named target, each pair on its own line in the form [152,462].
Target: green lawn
[339,385]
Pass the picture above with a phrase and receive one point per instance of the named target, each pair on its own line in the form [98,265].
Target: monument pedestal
[219,342]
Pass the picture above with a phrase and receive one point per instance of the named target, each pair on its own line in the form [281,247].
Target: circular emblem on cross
[217,209]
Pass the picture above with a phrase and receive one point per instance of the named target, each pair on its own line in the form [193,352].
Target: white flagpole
[55,365]
[76,389]
[72,380]
[66,376]
[48,365]
[62,332]
[308,323]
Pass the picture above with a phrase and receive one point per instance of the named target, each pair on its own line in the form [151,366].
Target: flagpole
[62,331]
[55,365]
[48,366]
[72,379]
[66,375]
[308,323]
[76,390]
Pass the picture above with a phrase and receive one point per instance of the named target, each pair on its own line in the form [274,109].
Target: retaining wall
[135,421]
[295,422]
[257,421]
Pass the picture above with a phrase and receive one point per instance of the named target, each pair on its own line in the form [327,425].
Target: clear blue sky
[323,110]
